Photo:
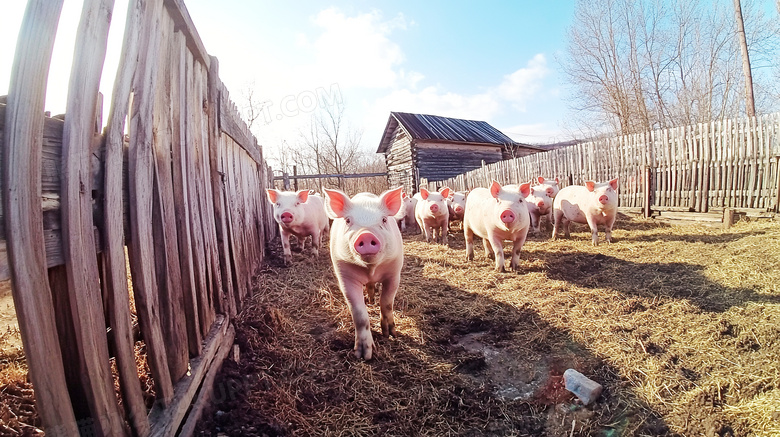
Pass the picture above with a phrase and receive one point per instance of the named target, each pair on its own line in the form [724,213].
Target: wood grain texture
[77,221]
[205,396]
[181,17]
[196,196]
[140,180]
[165,421]
[164,221]
[218,200]
[115,273]
[23,217]
[181,198]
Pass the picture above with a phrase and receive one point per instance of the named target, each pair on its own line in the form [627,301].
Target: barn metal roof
[434,127]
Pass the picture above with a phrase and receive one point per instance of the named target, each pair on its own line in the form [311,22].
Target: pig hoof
[287,260]
[363,351]
[389,330]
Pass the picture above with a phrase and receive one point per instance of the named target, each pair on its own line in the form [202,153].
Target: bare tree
[253,106]
[332,147]
[750,104]
[639,65]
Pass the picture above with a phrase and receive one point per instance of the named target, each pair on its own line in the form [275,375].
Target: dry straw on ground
[679,323]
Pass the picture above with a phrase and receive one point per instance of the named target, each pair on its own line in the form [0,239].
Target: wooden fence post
[646,188]
[141,181]
[226,267]
[728,217]
[21,168]
[78,240]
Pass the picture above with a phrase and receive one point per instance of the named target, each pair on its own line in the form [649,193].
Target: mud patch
[513,376]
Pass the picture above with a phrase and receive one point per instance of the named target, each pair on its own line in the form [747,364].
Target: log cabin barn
[435,148]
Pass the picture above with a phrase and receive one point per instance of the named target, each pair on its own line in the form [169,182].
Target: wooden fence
[706,168]
[349,182]
[181,195]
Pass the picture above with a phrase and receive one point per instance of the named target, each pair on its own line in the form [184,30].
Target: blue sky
[493,61]
[497,61]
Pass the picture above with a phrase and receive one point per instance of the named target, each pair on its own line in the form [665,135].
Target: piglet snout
[434,207]
[458,209]
[507,216]
[367,244]
[287,217]
[603,199]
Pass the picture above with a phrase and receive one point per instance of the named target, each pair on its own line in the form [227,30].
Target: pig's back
[315,212]
[572,200]
[477,207]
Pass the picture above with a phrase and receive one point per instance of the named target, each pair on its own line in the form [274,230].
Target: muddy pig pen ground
[678,323]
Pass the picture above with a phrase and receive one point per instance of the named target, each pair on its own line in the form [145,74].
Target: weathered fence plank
[698,168]
[115,268]
[194,221]
[181,198]
[189,151]
[164,225]
[217,187]
[21,168]
[141,180]
[166,421]
[77,223]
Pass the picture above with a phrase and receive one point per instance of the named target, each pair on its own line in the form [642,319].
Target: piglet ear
[272,195]
[303,195]
[445,192]
[525,189]
[337,204]
[495,188]
[590,185]
[424,193]
[540,180]
[614,184]
[392,201]
[557,181]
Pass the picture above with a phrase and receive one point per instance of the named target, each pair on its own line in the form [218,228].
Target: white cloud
[513,94]
[516,89]
[522,85]
[433,100]
[356,50]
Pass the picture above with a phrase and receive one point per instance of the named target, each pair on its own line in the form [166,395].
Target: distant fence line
[702,168]
[181,195]
[351,183]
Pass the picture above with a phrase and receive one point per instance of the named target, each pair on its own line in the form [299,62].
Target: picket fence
[706,168]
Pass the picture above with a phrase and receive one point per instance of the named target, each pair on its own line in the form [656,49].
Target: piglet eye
[384,220]
[348,220]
